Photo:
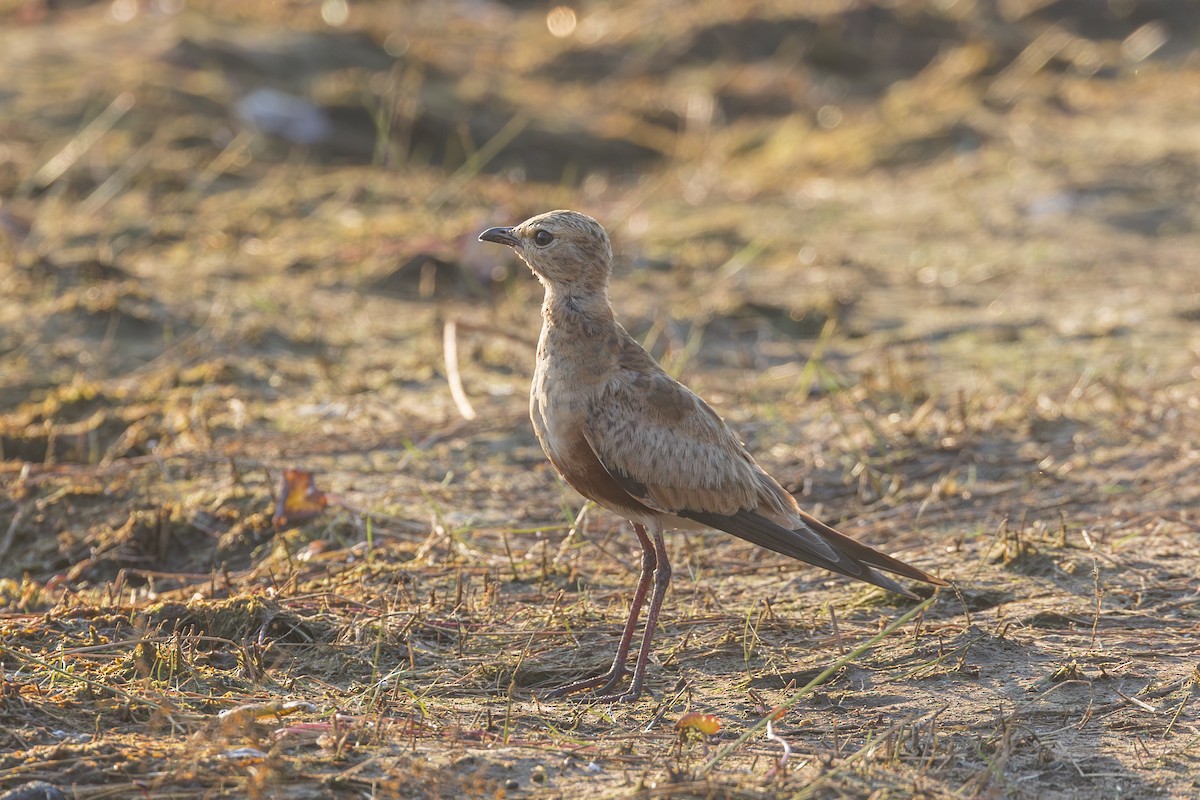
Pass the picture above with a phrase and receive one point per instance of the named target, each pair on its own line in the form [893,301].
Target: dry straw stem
[53,169]
[815,682]
[96,685]
[453,376]
[873,742]
[477,161]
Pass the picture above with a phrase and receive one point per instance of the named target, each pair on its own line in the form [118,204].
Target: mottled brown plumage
[626,434]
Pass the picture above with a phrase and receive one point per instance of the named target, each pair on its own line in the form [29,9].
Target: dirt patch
[935,264]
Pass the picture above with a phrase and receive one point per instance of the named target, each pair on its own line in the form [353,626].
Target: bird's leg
[662,578]
[606,682]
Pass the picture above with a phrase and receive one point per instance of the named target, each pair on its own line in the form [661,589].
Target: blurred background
[936,261]
[240,171]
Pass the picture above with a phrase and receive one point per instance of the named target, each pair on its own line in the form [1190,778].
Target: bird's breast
[558,409]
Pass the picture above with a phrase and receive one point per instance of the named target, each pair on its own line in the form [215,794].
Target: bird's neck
[588,310]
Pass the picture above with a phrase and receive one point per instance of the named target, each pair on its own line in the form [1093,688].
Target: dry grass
[937,268]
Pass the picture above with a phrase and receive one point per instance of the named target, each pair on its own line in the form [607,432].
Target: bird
[628,436]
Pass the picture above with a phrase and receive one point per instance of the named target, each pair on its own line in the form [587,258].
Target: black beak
[500,236]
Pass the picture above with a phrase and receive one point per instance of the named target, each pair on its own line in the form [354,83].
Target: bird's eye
[543,238]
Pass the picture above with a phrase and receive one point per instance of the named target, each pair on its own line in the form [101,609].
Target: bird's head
[565,249]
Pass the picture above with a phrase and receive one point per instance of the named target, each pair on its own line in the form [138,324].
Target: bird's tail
[816,543]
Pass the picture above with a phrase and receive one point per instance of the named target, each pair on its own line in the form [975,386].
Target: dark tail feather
[869,555]
[850,558]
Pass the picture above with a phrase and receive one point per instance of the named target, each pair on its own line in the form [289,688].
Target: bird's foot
[627,696]
[603,684]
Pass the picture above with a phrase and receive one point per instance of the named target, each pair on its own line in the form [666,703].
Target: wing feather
[655,431]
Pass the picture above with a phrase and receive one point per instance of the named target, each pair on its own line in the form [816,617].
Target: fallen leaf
[708,724]
[299,498]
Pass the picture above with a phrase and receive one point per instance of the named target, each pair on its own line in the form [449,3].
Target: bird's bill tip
[500,236]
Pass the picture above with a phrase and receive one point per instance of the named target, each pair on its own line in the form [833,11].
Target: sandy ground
[936,263]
